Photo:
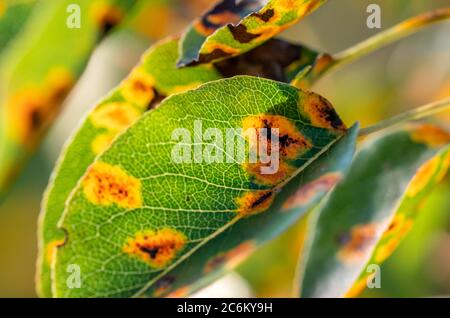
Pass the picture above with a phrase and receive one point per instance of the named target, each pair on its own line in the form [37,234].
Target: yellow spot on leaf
[115,116]
[138,88]
[430,135]
[184,88]
[359,286]
[254,202]
[156,248]
[106,15]
[423,176]
[355,246]
[283,172]
[105,184]
[305,194]
[102,142]
[50,250]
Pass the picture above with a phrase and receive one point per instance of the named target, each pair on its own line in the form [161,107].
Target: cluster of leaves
[138,224]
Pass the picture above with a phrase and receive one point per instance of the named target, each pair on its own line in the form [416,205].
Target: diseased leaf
[368,214]
[233,27]
[13,15]
[228,249]
[42,67]
[150,82]
[125,229]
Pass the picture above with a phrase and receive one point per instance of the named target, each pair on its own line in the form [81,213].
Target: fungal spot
[283,172]
[359,286]
[163,285]
[33,109]
[321,113]
[254,202]
[423,176]
[230,259]
[114,116]
[50,250]
[386,250]
[105,184]
[265,16]
[398,228]
[156,248]
[102,142]
[106,16]
[179,293]
[292,143]
[184,88]
[216,51]
[356,243]
[430,135]
[241,34]
[309,191]
[139,88]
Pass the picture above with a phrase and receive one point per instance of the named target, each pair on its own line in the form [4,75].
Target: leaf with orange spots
[148,84]
[367,215]
[223,253]
[139,210]
[38,70]
[231,27]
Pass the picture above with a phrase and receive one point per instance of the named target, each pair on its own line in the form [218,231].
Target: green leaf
[228,249]
[367,215]
[232,27]
[124,229]
[13,15]
[154,79]
[41,68]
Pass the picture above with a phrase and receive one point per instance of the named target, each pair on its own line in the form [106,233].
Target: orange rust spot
[283,173]
[430,135]
[291,142]
[102,142]
[179,293]
[361,237]
[423,176]
[115,116]
[106,15]
[321,113]
[184,88]
[139,88]
[50,250]
[359,286]
[105,184]
[230,259]
[156,248]
[305,194]
[254,202]
[31,110]
[398,229]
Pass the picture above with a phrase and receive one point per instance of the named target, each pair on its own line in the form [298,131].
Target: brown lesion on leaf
[254,202]
[163,285]
[307,192]
[106,16]
[139,88]
[266,15]
[241,34]
[33,109]
[105,184]
[283,172]
[156,248]
[215,51]
[397,229]
[355,244]
[430,135]
[230,259]
[321,113]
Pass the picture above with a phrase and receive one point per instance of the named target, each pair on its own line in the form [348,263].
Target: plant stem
[417,113]
[384,38]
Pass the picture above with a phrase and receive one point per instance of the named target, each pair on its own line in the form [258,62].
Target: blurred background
[405,75]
